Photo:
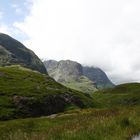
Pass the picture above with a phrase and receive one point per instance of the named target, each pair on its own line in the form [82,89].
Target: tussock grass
[89,124]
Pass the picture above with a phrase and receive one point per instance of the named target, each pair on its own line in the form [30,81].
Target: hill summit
[70,74]
[76,76]
[13,52]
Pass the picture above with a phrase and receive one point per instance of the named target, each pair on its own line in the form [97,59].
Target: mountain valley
[62,100]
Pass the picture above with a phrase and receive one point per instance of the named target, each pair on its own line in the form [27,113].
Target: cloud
[101,33]
[4,29]
[10,30]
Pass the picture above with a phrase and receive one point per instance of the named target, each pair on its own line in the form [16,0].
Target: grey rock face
[50,64]
[72,73]
[13,52]
[64,71]
[98,76]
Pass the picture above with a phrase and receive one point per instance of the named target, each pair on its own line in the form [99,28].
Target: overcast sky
[103,33]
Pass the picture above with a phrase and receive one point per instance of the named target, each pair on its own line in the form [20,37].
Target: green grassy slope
[24,93]
[115,116]
[121,95]
[126,88]
[82,84]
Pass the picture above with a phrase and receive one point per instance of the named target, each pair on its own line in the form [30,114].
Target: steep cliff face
[70,74]
[64,71]
[98,76]
[13,52]
[76,76]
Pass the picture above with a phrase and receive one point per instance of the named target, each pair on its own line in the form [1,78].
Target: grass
[89,124]
[113,115]
[82,84]
[108,100]
[23,90]
[125,88]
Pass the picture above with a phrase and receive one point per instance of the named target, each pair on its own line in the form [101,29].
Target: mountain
[70,74]
[13,52]
[76,76]
[64,71]
[27,93]
[26,90]
[98,76]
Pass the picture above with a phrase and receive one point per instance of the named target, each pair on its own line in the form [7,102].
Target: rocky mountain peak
[73,74]
[65,70]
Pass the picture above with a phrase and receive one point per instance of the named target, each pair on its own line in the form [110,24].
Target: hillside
[27,93]
[116,116]
[76,76]
[126,88]
[70,74]
[122,95]
[98,76]
[13,52]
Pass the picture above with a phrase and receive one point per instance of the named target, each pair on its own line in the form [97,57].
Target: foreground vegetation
[89,124]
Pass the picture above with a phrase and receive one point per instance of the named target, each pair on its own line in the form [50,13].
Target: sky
[100,33]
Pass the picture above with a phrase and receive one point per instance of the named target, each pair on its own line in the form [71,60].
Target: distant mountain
[13,52]
[65,71]
[76,76]
[98,76]
[70,74]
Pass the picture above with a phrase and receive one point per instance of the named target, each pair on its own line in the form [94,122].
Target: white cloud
[101,33]
[4,29]
[10,30]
